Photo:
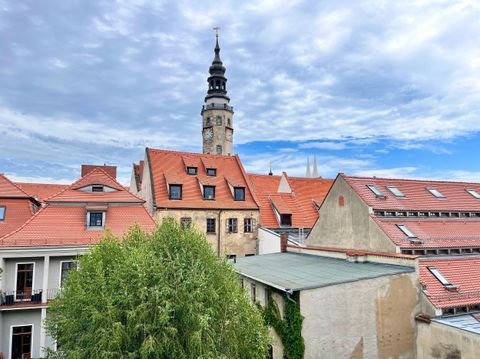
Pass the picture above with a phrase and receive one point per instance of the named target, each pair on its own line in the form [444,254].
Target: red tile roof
[463,272]
[434,233]
[300,203]
[8,189]
[73,193]
[65,225]
[111,170]
[174,164]
[41,191]
[417,197]
[138,174]
[17,212]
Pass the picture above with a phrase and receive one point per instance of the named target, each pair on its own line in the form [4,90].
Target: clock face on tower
[208,134]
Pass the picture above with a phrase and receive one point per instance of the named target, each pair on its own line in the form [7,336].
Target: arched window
[211,85]
[219,149]
[219,120]
[223,85]
[229,122]
[217,84]
[208,122]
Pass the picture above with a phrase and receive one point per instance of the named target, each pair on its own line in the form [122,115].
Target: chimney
[110,170]
[283,242]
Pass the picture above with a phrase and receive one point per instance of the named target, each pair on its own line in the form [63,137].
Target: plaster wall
[268,241]
[349,226]
[223,243]
[440,341]
[365,319]
[20,317]
[146,191]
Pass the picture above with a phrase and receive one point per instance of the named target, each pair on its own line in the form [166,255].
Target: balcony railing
[27,297]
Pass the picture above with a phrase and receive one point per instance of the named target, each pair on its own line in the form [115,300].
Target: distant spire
[308,175]
[315,169]
[270,173]
[217,82]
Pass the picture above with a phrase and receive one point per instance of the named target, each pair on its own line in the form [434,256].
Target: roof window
[97,188]
[239,193]
[396,192]
[209,192]
[406,231]
[3,209]
[192,171]
[375,190]
[211,172]
[473,193]
[445,282]
[435,192]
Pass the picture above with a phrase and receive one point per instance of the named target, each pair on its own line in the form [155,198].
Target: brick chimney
[283,242]
[111,170]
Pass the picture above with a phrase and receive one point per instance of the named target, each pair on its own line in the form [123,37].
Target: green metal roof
[294,271]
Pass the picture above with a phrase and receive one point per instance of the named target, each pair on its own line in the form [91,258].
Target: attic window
[192,171]
[209,192]
[445,282]
[375,190]
[286,219]
[211,172]
[3,209]
[473,193]
[396,192]
[175,191]
[95,219]
[406,231]
[239,193]
[436,192]
[97,188]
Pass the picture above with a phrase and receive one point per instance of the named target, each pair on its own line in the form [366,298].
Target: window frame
[90,219]
[405,230]
[32,333]
[472,192]
[16,280]
[2,218]
[396,191]
[209,225]
[186,222]
[235,193]
[193,170]
[170,187]
[251,225]
[289,215]
[219,149]
[375,191]
[96,187]
[209,172]
[232,225]
[205,193]
[435,193]
[60,280]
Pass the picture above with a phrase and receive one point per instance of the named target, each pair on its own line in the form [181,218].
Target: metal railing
[26,297]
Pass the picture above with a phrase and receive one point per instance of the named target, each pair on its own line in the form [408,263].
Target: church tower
[217,115]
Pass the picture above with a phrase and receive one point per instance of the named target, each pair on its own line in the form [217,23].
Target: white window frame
[439,276]
[60,272]
[405,230]
[96,228]
[473,193]
[396,191]
[375,190]
[10,341]
[16,277]
[435,192]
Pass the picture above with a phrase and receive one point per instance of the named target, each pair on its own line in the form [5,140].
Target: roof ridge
[182,153]
[15,185]
[2,239]
[408,179]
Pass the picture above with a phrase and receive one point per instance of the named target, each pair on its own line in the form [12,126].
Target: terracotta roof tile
[10,189]
[462,272]
[280,204]
[41,191]
[17,212]
[176,162]
[138,174]
[111,170]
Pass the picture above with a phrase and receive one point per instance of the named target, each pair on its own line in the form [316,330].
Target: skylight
[436,192]
[395,191]
[473,193]
[439,276]
[375,190]
[405,230]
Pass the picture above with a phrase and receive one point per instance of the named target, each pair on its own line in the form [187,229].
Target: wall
[365,319]
[349,226]
[219,132]
[146,191]
[440,341]
[22,317]
[268,241]
[239,243]
[11,269]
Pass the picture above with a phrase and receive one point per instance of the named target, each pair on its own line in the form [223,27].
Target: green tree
[155,295]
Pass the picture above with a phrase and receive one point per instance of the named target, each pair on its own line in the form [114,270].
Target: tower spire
[308,174]
[315,168]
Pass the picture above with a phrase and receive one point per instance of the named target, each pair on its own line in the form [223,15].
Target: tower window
[192,171]
[229,122]
[217,84]
[219,149]
[208,192]
[219,120]
[239,193]
[175,191]
[208,122]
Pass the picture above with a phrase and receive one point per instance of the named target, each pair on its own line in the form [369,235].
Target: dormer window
[435,192]
[97,188]
[375,190]
[175,191]
[211,172]
[192,171]
[3,209]
[209,192]
[473,193]
[95,220]
[286,219]
[239,193]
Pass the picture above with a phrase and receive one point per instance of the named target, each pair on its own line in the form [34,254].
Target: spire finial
[216,29]
[270,173]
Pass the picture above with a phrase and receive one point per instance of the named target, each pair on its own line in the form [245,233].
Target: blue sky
[385,88]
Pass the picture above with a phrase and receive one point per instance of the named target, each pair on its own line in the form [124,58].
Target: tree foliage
[158,295]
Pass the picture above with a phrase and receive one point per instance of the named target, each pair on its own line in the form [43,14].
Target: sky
[380,87]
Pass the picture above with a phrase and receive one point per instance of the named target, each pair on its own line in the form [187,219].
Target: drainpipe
[219,216]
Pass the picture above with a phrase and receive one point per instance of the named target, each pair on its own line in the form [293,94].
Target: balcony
[26,299]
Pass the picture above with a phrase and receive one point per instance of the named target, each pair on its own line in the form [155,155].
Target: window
[3,209]
[186,222]
[211,171]
[395,191]
[471,191]
[229,122]
[406,231]
[175,191]
[219,149]
[375,190]
[239,193]
[96,219]
[219,120]
[286,219]
[66,267]
[249,254]
[254,292]
[232,257]
[436,192]
[440,277]
[208,192]
[192,171]
[97,188]
[211,225]
[208,122]
[232,225]
[24,286]
[248,224]
[21,341]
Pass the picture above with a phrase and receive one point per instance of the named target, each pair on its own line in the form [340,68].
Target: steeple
[308,174]
[217,114]
[315,168]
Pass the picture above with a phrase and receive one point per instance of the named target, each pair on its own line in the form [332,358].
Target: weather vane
[216,28]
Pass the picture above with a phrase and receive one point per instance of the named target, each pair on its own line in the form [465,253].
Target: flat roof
[295,271]
[468,322]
